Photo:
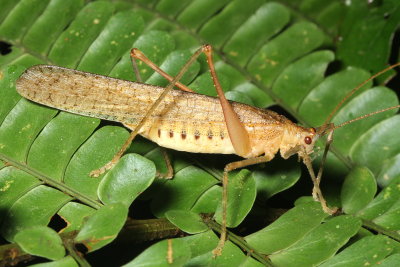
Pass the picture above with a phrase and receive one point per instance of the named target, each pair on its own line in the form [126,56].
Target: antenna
[328,128]
[365,116]
[328,119]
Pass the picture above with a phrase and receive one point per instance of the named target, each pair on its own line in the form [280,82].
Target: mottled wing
[127,102]
[86,93]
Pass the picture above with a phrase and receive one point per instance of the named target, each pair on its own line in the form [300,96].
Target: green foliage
[102,226]
[41,241]
[312,249]
[188,221]
[157,255]
[281,233]
[243,185]
[266,53]
[358,189]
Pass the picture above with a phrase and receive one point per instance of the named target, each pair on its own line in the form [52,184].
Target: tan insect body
[183,121]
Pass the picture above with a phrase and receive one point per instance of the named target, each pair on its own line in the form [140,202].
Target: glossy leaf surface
[267,54]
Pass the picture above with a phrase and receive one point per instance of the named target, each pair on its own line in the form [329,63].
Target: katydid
[180,119]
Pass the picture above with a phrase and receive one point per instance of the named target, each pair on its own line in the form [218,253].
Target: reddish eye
[307,140]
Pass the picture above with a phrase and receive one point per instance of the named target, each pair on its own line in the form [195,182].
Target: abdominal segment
[190,137]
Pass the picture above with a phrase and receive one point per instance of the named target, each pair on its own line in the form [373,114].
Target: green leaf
[268,20]
[282,233]
[389,171]
[182,192]
[7,6]
[23,214]
[187,221]
[17,59]
[219,28]
[171,252]
[57,15]
[275,177]
[258,98]
[199,12]
[156,45]
[389,220]
[209,200]
[201,243]
[71,45]
[231,256]
[367,30]
[13,184]
[149,44]
[386,200]
[74,214]
[320,243]
[112,43]
[64,262]
[266,54]
[127,180]
[10,97]
[329,15]
[241,196]
[364,103]
[103,226]
[171,8]
[55,143]
[376,144]
[390,261]
[203,84]
[172,65]
[367,251]
[24,13]
[41,241]
[297,79]
[324,97]
[156,155]
[276,54]
[358,190]
[18,130]
[108,140]
[239,97]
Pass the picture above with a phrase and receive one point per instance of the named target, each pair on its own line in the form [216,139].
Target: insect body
[183,121]
[179,120]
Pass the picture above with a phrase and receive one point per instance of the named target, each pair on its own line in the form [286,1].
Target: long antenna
[328,128]
[365,116]
[328,119]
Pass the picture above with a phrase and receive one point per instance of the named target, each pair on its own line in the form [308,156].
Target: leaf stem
[147,230]
[379,229]
[237,240]
[47,180]
[69,243]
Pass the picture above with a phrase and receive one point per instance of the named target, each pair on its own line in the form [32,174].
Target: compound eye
[307,140]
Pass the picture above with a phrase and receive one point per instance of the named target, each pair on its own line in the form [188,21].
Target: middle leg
[230,167]
[133,134]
